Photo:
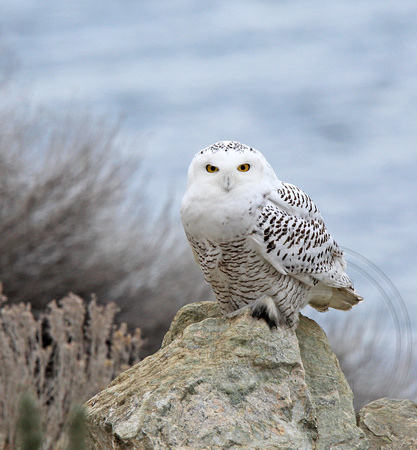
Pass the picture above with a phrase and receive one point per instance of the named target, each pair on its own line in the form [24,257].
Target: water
[326,90]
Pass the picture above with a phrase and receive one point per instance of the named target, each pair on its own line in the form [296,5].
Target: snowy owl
[260,242]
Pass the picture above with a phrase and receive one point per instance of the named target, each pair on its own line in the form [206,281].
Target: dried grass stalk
[63,357]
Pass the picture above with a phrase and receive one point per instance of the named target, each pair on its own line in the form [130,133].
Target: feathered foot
[265,308]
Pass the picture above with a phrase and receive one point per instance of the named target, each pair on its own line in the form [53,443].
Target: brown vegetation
[63,357]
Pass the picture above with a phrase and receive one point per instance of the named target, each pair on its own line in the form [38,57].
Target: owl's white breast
[219,216]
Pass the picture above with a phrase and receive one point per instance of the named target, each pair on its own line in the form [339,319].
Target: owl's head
[229,166]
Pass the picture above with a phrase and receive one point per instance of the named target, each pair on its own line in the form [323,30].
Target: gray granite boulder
[390,424]
[227,383]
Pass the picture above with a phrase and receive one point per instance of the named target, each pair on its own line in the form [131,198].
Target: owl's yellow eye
[211,169]
[243,168]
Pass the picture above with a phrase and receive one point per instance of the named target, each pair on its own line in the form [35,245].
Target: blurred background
[105,102]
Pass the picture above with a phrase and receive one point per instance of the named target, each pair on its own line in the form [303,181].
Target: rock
[226,383]
[329,390]
[389,424]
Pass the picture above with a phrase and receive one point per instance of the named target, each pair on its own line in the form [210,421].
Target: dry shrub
[74,218]
[63,357]
[61,186]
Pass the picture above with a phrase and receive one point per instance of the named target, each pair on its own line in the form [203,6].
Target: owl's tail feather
[324,297]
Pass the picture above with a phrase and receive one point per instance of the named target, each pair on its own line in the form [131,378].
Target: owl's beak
[228,182]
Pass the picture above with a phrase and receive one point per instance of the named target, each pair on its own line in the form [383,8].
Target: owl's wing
[294,201]
[292,237]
